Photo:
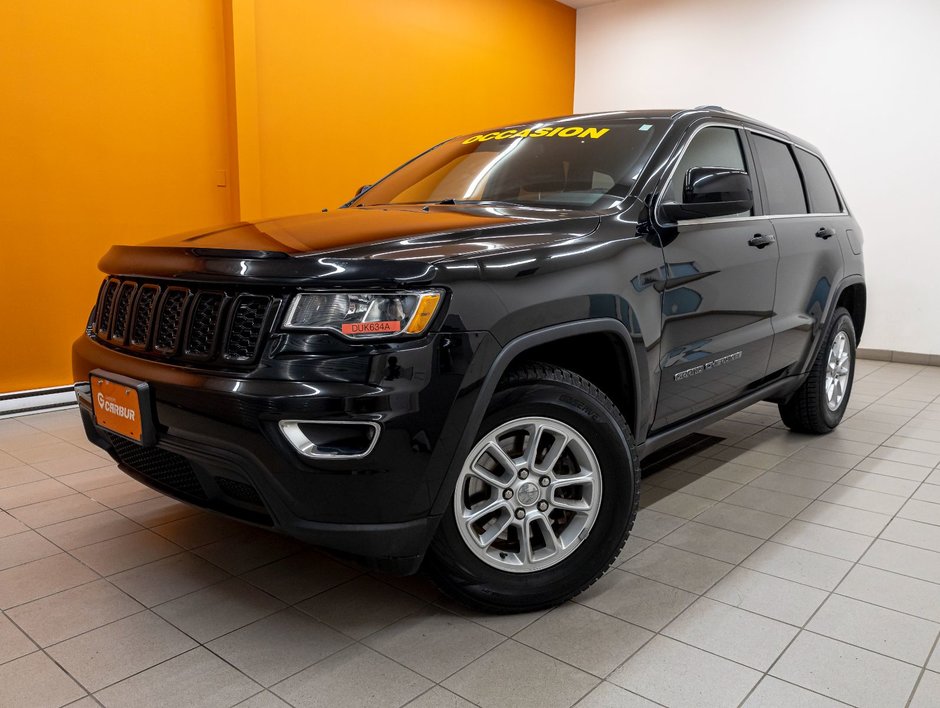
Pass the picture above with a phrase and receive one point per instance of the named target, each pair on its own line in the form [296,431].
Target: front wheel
[544,500]
[818,405]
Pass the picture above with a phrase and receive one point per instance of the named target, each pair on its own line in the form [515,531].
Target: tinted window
[822,194]
[784,189]
[711,147]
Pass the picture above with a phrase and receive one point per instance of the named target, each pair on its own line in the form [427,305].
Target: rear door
[809,222]
[719,292]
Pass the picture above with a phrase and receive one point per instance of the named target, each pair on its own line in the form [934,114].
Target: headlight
[362,315]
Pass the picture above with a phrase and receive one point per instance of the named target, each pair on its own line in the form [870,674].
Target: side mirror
[362,189]
[711,191]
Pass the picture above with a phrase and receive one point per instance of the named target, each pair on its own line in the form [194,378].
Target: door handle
[761,240]
[825,232]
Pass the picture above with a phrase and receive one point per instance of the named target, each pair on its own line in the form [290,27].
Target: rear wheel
[819,404]
[545,498]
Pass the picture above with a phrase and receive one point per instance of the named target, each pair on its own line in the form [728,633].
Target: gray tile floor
[771,570]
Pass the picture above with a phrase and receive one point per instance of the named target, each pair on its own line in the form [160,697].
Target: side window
[711,147]
[823,198]
[784,188]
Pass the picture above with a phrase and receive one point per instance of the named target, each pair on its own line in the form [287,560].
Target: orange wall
[109,132]
[118,118]
[347,91]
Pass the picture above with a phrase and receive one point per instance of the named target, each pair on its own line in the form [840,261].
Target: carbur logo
[111,406]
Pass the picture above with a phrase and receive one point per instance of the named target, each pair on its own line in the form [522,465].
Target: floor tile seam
[59,441]
[68,673]
[809,619]
[829,592]
[52,594]
[878,491]
[353,641]
[63,670]
[697,648]
[98,576]
[769,489]
[905,435]
[504,640]
[620,688]
[870,537]
[858,508]
[8,509]
[38,529]
[670,489]
[211,650]
[835,468]
[621,619]
[770,668]
[742,506]
[817,633]
[171,658]
[124,535]
[834,591]
[704,555]
[749,535]
[923,670]
[88,631]
[359,643]
[838,528]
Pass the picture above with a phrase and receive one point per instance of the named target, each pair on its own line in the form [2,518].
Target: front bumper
[218,444]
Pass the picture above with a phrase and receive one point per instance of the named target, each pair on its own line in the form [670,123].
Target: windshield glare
[588,165]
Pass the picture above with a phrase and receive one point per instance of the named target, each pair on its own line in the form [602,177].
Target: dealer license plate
[117,404]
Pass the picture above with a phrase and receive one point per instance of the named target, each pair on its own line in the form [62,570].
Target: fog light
[331,439]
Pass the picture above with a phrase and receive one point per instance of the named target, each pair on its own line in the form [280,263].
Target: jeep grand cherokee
[465,366]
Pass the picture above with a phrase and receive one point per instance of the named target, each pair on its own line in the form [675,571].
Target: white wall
[858,78]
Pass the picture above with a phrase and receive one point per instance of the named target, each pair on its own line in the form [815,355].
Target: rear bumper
[219,446]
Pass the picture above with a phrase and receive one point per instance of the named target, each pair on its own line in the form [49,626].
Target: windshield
[589,165]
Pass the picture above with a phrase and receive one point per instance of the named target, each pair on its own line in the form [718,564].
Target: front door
[719,292]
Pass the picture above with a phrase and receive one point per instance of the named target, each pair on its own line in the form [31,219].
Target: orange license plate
[117,406]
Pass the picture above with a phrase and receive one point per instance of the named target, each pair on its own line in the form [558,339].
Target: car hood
[358,244]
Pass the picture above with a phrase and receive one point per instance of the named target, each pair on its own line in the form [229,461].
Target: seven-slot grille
[202,324]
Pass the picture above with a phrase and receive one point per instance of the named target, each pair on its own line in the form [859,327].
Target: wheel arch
[553,344]
[854,298]
[850,294]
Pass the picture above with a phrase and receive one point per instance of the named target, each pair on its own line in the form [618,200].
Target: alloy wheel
[528,494]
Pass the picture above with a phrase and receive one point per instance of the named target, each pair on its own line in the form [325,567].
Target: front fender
[484,376]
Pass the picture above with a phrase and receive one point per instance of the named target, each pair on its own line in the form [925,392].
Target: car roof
[682,117]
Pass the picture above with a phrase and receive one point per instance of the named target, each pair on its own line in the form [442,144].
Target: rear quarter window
[823,198]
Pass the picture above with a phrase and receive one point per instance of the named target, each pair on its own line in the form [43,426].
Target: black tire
[807,410]
[549,392]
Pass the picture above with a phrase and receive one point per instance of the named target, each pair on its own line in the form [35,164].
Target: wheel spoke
[535,437]
[552,542]
[497,453]
[472,516]
[572,480]
[576,505]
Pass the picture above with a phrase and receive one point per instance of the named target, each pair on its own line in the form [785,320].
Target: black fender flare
[501,363]
[823,324]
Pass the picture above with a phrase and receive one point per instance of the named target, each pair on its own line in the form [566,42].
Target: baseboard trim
[899,357]
[36,400]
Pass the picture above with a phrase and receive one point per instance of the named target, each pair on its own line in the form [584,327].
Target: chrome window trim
[722,219]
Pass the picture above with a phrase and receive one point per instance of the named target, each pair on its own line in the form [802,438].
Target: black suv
[466,364]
